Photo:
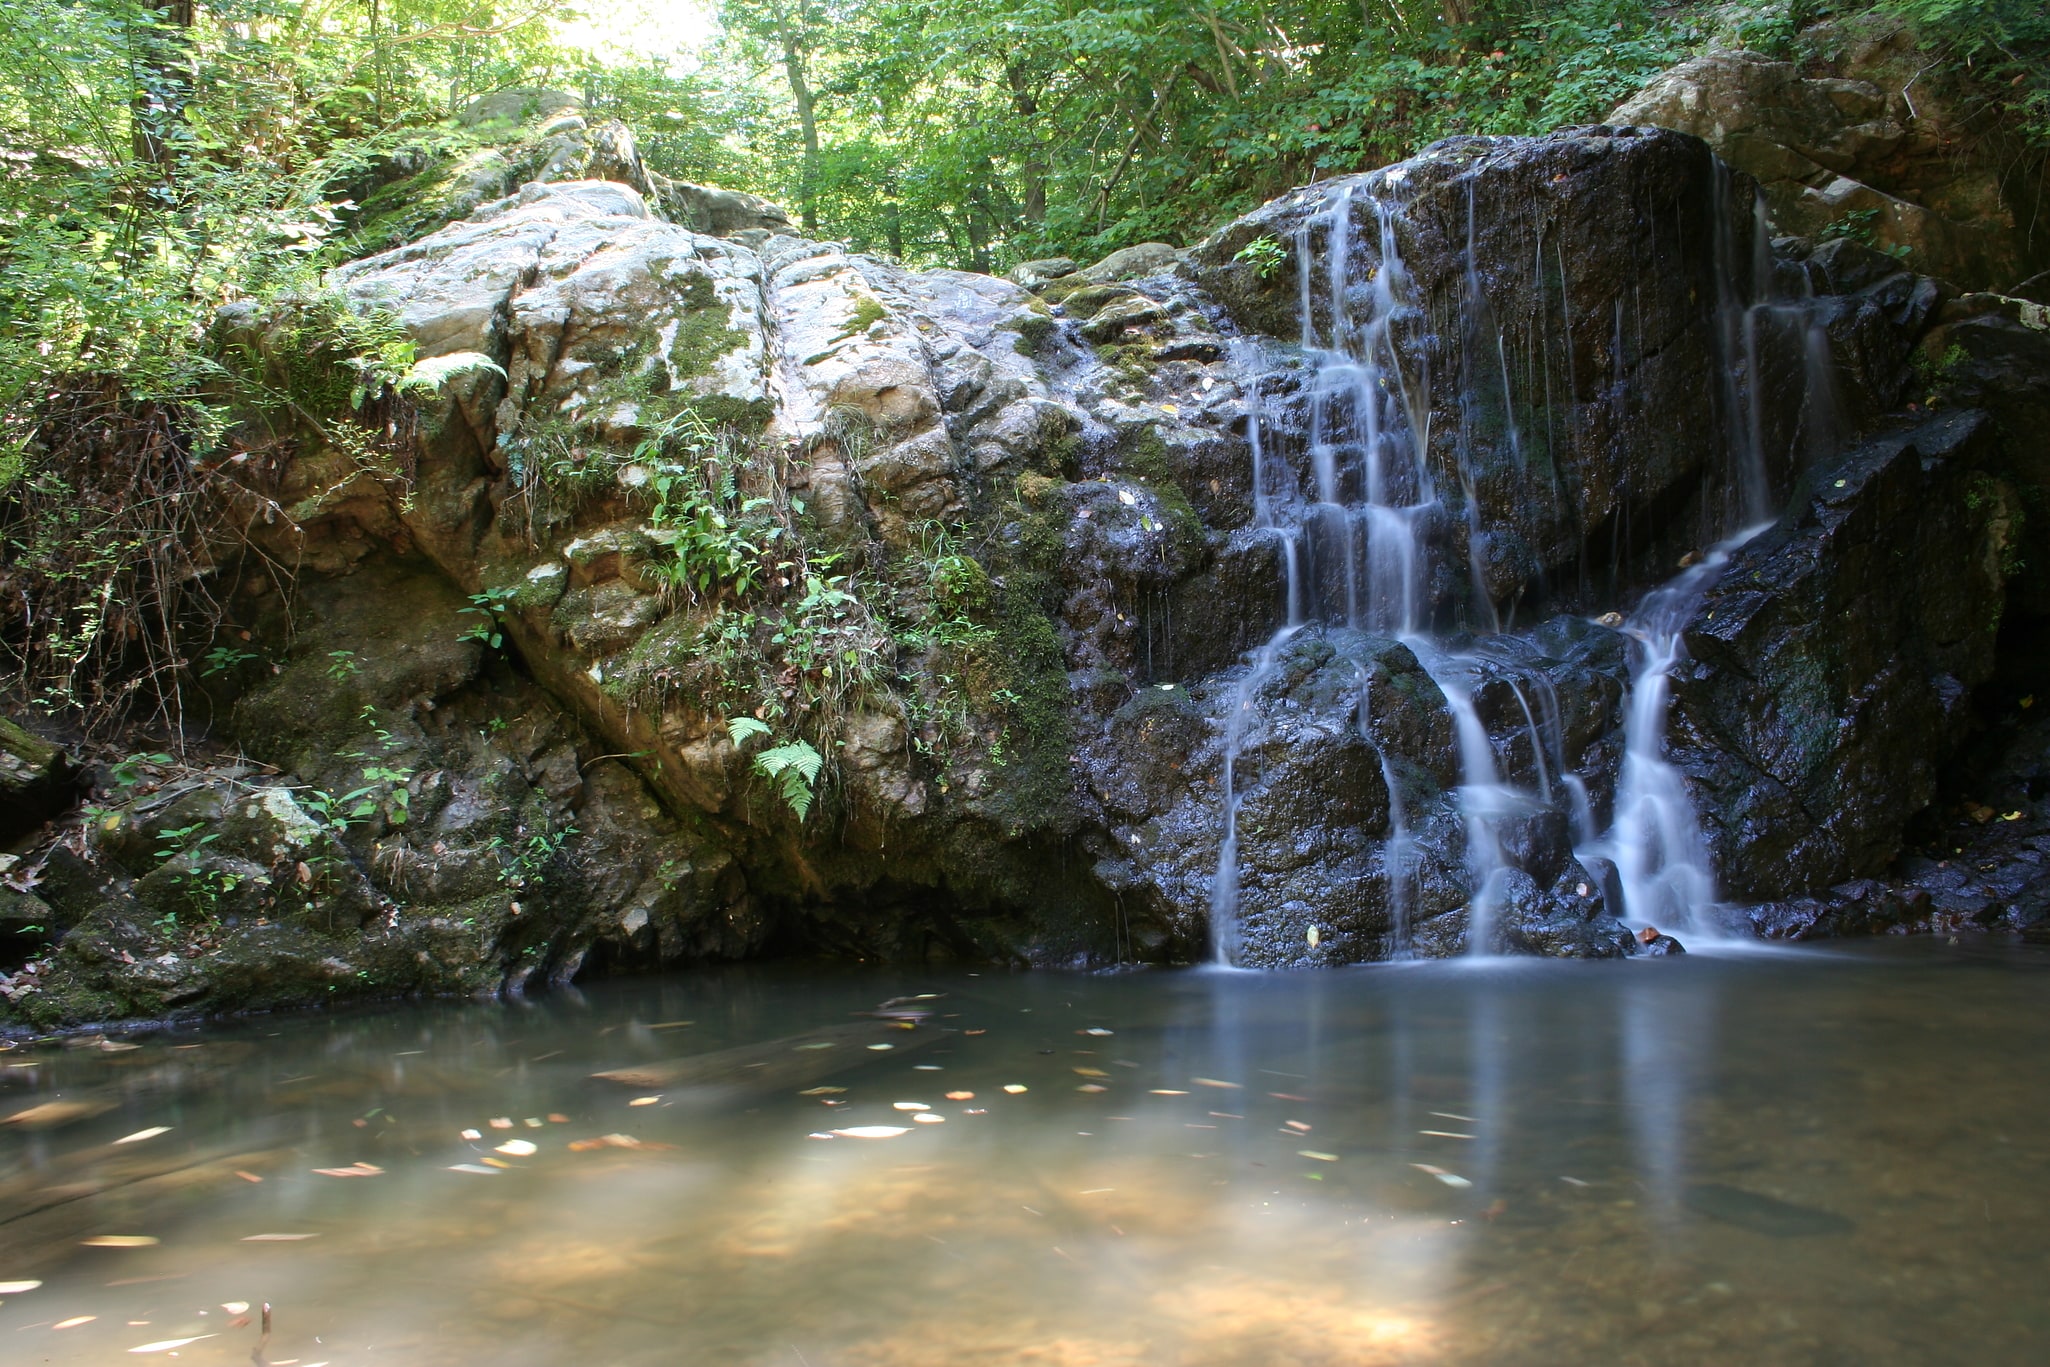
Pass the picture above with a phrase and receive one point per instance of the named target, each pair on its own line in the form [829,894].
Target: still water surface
[1800,1157]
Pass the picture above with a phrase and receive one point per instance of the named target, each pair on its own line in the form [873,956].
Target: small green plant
[127,773]
[384,789]
[793,767]
[524,864]
[342,665]
[489,606]
[221,659]
[183,841]
[1862,227]
[1266,255]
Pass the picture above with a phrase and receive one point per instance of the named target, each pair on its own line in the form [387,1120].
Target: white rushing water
[1355,531]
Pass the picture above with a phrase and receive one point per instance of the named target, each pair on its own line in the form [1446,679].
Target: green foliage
[1998,50]
[1265,255]
[956,131]
[530,863]
[222,659]
[793,766]
[489,607]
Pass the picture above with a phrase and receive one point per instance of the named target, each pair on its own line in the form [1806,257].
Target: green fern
[794,769]
[745,729]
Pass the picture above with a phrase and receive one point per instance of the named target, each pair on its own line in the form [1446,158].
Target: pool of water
[1794,1157]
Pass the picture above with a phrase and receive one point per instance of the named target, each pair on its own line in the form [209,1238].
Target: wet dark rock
[1832,662]
[1550,419]
[1659,946]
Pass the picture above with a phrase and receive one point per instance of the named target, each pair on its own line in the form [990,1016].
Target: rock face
[1572,423]
[522,137]
[738,594]
[1865,617]
[1862,149]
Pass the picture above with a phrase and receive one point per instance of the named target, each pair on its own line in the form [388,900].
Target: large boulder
[37,780]
[1853,151]
[1832,664]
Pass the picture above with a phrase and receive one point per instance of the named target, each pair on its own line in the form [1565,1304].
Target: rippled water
[1808,1157]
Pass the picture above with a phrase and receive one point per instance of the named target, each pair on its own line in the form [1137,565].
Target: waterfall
[1656,841]
[1355,552]
[1358,517]
[1268,489]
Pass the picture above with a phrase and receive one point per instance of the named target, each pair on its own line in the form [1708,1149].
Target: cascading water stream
[1357,529]
[1656,842]
[1224,884]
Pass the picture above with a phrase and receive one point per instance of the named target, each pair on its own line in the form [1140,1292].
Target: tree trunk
[162,85]
[790,33]
[1032,175]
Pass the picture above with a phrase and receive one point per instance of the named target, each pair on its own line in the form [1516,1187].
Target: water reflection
[1787,1160]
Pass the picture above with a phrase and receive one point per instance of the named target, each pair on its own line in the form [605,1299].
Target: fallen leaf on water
[1298,1126]
[557,1118]
[235,1307]
[472,1167]
[1450,1179]
[1213,1082]
[909,1106]
[1320,1157]
[276,1238]
[114,1046]
[1014,1087]
[613,1141]
[473,1134]
[1168,1091]
[975,1110]
[518,1148]
[166,1345]
[873,1131]
[1445,1134]
[882,1046]
[975,1032]
[644,1101]
[496,1163]
[1095,1030]
[353,1170]
[822,1044]
[1092,1072]
[74,1321]
[247,1176]
[960,1096]
[121,1241]
[1092,1087]
[500,1123]
[1287,1096]
[822,1091]
[16,1288]
[53,1113]
[928,1119]
[1453,1115]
